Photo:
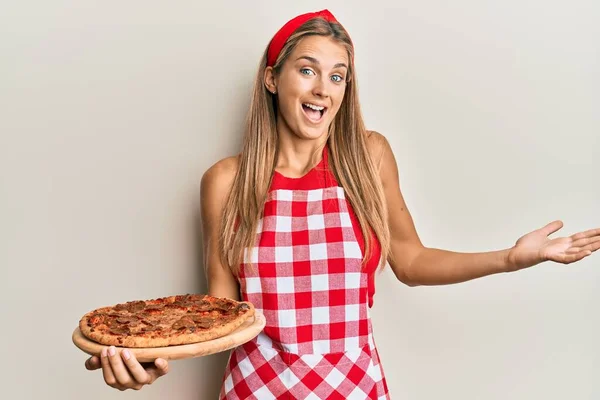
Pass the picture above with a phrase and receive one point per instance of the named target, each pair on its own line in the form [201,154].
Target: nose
[321,87]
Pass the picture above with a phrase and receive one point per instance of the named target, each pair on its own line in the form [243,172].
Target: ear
[270,81]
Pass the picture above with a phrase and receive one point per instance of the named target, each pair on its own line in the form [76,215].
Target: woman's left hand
[536,247]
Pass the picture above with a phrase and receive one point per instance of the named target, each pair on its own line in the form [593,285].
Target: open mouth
[313,112]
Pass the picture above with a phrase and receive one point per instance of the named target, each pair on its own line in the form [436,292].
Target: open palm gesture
[536,247]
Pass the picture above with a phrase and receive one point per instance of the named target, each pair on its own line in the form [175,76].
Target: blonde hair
[348,154]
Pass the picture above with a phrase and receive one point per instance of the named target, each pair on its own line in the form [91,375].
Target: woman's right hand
[122,371]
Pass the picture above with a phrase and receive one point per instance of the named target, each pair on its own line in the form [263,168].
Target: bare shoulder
[374,138]
[380,151]
[217,180]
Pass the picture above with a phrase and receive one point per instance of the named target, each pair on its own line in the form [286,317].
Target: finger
[139,374]
[585,241]
[160,368]
[107,372]
[120,371]
[591,247]
[586,234]
[581,255]
[552,227]
[92,363]
[571,258]
[595,246]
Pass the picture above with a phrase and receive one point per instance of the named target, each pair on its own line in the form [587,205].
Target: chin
[312,133]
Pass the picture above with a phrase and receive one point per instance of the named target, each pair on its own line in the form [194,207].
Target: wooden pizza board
[246,332]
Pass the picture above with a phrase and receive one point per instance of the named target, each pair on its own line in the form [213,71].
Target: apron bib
[306,277]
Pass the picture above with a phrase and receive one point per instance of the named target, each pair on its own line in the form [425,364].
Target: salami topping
[184,322]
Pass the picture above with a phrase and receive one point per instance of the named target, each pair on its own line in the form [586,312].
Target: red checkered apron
[308,280]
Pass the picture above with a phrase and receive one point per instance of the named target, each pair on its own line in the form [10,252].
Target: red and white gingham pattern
[258,372]
[307,278]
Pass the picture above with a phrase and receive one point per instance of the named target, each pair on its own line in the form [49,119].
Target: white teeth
[314,107]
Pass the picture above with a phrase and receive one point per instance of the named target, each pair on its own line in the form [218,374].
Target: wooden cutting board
[246,332]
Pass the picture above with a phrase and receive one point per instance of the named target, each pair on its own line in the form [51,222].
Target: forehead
[325,49]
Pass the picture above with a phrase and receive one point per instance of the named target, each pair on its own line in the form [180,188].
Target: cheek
[291,100]
[338,102]
[287,109]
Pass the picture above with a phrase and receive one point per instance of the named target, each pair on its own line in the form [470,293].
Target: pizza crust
[93,324]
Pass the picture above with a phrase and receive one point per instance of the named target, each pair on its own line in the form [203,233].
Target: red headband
[286,31]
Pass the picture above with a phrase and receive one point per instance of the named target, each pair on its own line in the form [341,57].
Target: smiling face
[310,87]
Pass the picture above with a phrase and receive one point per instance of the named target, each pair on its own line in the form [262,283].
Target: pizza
[167,321]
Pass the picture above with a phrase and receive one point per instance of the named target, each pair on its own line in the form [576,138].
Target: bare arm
[415,264]
[412,262]
[214,188]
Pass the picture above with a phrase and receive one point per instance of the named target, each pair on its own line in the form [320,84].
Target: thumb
[92,363]
[552,227]
[162,366]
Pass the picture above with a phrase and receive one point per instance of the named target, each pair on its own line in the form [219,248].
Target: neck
[297,156]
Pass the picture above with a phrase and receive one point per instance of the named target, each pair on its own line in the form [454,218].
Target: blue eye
[337,78]
[303,70]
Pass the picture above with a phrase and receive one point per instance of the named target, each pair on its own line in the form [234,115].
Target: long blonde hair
[348,154]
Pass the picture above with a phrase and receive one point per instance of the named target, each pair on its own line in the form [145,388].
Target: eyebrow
[315,61]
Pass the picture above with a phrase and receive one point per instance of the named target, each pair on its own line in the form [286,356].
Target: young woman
[301,219]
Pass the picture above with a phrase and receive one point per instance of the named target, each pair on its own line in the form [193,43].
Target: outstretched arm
[414,264]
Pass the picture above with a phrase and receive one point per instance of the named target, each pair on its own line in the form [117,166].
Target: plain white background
[111,111]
